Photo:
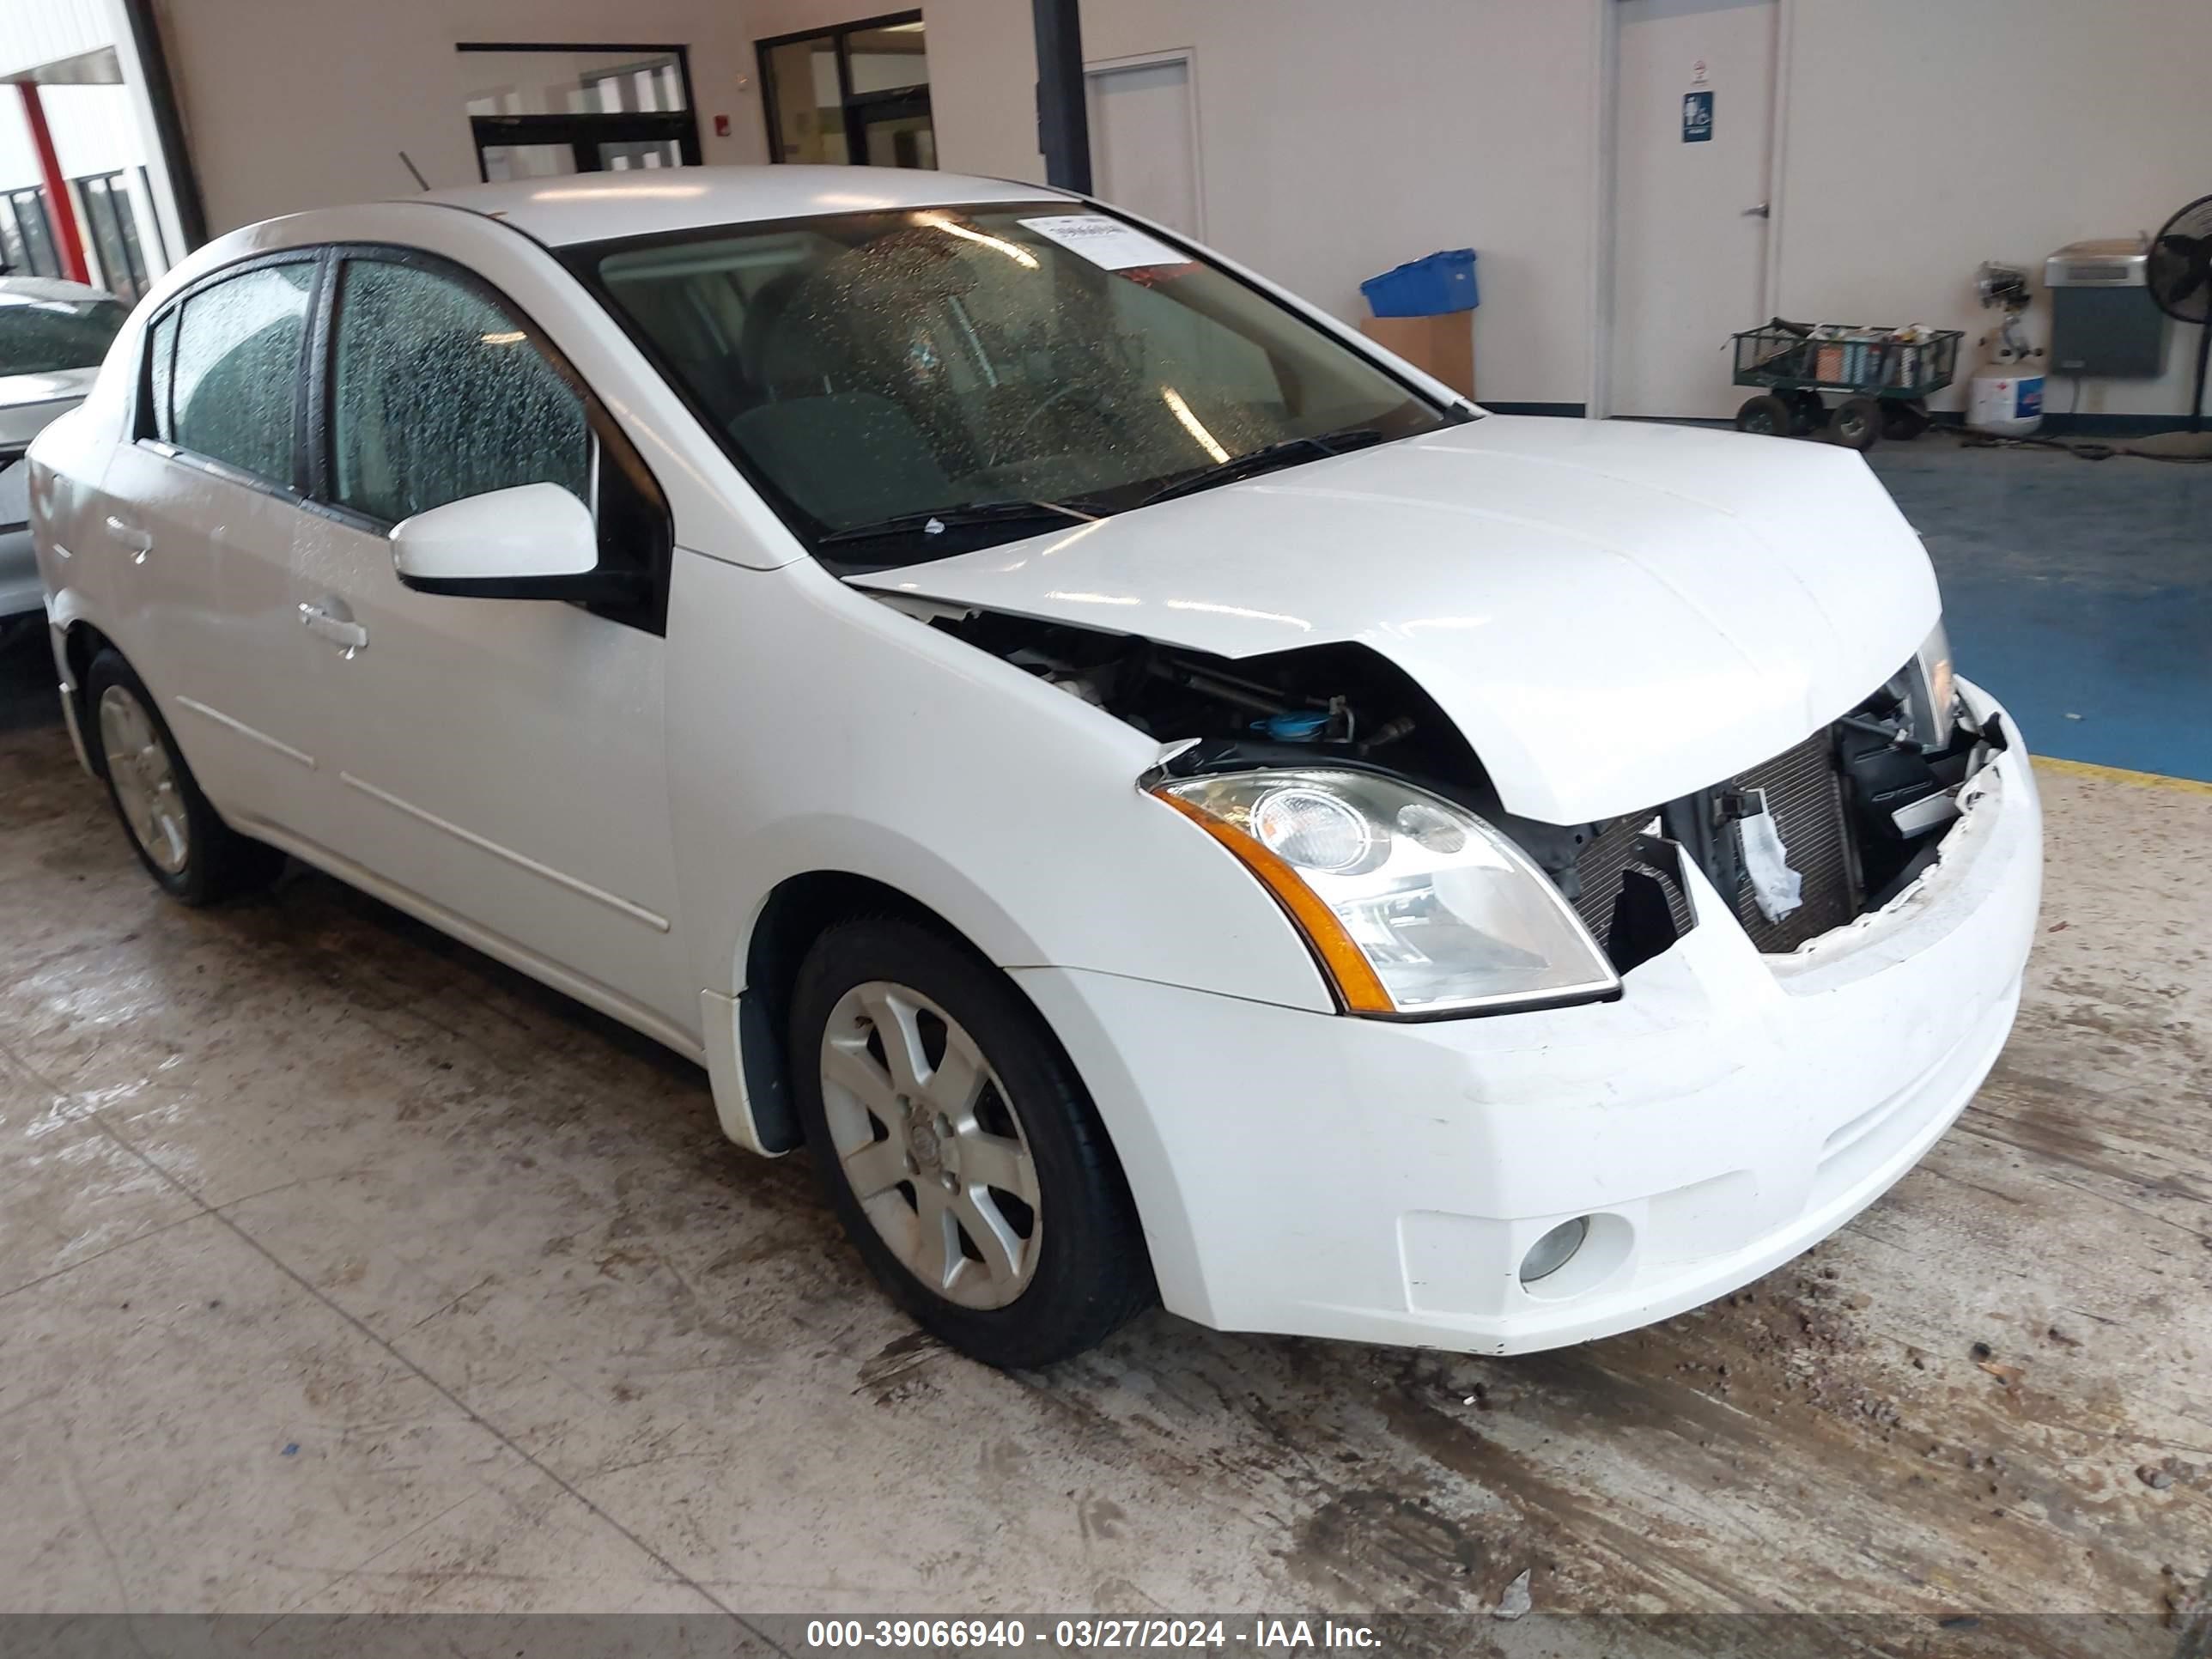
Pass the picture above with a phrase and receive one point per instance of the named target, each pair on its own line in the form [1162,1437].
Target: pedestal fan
[2180,278]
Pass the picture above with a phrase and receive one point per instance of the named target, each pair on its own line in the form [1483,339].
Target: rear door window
[226,371]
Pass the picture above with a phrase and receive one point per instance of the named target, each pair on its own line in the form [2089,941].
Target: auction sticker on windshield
[1106,242]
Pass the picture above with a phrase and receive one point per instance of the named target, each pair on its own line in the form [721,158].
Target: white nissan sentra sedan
[1157,796]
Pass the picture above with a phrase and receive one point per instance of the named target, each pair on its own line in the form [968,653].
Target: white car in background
[52,336]
[1158,796]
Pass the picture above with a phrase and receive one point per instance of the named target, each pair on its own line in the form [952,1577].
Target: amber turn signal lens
[1356,984]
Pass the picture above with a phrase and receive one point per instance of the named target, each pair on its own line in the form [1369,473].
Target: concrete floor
[341,1269]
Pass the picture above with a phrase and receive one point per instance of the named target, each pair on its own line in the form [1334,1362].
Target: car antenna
[417,170]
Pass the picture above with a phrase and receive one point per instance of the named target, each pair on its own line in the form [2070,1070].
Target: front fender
[1008,807]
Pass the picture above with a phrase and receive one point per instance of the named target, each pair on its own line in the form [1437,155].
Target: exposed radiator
[1805,794]
[1601,865]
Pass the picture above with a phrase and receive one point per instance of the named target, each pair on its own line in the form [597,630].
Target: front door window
[439,396]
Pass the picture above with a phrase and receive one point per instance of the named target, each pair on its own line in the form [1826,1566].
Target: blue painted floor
[2080,592]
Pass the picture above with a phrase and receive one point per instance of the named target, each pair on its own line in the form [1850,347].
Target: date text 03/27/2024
[1085,1634]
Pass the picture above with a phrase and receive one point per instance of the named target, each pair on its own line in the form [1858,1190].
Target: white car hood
[29,402]
[1615,615]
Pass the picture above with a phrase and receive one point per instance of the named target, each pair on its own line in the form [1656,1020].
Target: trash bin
[1433,286]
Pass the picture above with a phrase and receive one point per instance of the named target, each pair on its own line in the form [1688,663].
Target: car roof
[47,290]
[640,202]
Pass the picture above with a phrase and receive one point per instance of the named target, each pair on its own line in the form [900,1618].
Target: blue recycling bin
[1429,287]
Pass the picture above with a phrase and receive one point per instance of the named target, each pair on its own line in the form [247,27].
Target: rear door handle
[131,537]
[338,631]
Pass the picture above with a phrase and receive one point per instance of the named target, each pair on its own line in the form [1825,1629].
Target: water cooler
[2103,321]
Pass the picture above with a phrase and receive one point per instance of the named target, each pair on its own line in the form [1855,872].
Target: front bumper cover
[1339,1177]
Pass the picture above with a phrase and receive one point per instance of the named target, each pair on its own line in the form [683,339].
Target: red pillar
[60,205]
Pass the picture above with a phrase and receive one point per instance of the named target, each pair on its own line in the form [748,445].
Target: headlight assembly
[1931,692]
[1414,905]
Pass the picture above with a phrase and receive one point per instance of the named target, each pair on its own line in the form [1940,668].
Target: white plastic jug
[2005,404]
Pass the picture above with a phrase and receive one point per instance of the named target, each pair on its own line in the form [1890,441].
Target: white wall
[19,158]
[1336,141]
[50,30]
[303,105]
[1925,138]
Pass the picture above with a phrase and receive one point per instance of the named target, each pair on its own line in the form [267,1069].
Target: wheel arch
[81,641]
[754,1100]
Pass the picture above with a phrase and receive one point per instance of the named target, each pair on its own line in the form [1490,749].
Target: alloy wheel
[145,783]
[931,1145]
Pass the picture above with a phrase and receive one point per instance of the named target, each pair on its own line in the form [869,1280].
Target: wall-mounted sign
[1697,117]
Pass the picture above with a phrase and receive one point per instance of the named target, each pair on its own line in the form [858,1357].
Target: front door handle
[1764,210]
[129,536]
[326,624]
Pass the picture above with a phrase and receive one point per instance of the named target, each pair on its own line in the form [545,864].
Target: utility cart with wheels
[1884,376]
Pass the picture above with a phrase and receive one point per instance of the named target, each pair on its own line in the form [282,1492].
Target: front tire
[184,845]
[959,1148]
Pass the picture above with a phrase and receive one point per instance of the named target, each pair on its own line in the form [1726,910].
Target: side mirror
[532,542]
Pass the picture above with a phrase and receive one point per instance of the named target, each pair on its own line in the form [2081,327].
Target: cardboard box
[1445,346]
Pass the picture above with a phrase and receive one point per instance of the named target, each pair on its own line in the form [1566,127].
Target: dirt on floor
[342,1269]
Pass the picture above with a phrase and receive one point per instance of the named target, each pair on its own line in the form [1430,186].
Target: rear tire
[959,1147]
[1765,414]
[1857,422]
[1807,413]
[184,843]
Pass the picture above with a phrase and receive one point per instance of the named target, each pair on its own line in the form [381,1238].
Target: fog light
[1552,1251]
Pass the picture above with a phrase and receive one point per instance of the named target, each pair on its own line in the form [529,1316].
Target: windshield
[42,337]
[878,373]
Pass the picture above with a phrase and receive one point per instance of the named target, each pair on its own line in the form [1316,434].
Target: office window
[28,234]
[545,112]
[860,93]
[111,217]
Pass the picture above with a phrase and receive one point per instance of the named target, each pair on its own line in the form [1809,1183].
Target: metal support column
[61,206]
[1063,125]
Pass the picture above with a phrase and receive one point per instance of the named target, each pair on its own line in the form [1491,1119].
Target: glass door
[857,93]
[896,133]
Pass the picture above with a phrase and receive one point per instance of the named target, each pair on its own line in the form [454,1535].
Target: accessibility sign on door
[1697,117]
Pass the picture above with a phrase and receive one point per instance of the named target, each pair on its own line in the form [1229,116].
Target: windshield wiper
[1289,451]
[935,521]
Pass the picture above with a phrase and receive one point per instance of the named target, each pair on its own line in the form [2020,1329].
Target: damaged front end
[1836,827]
[1832,829]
